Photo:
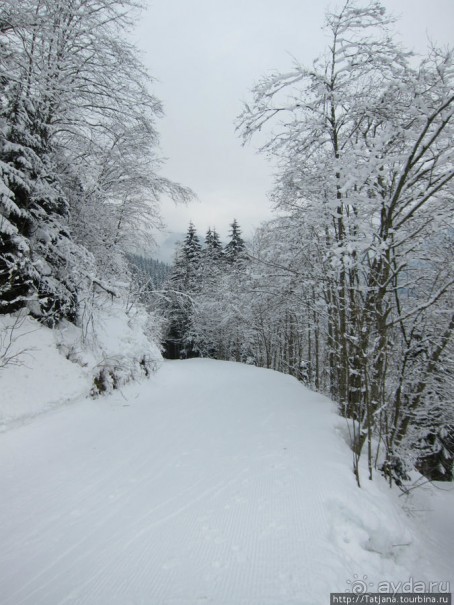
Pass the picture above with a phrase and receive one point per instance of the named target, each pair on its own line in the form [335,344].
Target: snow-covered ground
[41,369]
[212,482]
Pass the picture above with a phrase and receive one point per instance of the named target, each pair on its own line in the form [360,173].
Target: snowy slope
[49,368]
[39,377]
[213,482]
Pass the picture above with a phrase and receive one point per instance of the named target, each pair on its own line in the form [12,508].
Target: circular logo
[358,585]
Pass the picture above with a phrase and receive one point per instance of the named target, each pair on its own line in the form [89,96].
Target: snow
[212,482]
[39,377]
[54,367]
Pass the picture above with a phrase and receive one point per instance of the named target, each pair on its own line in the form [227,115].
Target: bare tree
[363,140]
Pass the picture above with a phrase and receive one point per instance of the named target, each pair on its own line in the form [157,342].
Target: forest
[349,288]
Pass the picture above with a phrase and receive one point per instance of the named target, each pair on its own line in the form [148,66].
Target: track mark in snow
[218,483]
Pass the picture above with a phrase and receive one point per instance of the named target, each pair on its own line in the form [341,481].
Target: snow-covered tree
[363,142]
[192,253]
[150,270]
[235,248]
[207,304]
[77,151]
[38,260]
[181,288]
[213,251]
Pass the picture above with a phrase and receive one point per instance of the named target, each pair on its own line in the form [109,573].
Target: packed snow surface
[212,482]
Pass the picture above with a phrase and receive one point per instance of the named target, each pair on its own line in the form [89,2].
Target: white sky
[206,55]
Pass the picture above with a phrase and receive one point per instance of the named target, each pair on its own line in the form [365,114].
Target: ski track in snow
[212,483]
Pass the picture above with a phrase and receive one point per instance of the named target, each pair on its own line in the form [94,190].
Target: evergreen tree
[183,283]
[213,246]
[36,252]
[235,248]
[149,270]
[192,253]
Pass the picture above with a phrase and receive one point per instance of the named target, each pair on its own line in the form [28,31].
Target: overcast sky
[205,56]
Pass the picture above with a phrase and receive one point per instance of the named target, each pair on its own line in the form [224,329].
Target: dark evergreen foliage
[213,246]
[192,252]
[150,270]
[196,282]
[35,246]
[235,248]
[181,286]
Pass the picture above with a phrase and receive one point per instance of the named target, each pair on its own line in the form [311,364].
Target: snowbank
[42,368]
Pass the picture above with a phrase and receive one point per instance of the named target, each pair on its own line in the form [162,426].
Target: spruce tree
[35,247]
[212,264]
[235,248]
[183,283]
[213,246]
[192,253]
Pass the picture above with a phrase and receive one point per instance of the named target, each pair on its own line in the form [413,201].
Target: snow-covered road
[212,483]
